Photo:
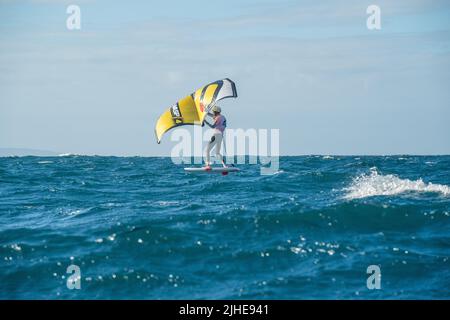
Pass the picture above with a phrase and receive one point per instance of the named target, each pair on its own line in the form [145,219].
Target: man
[219,125]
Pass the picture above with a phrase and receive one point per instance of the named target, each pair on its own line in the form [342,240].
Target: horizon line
[270,156]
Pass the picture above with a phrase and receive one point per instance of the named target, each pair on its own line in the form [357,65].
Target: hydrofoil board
[222,170]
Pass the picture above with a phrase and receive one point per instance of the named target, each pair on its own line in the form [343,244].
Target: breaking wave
[375,184]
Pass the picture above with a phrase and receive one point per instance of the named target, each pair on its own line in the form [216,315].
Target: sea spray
[376,184]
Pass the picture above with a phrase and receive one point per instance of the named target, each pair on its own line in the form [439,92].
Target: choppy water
[142,228]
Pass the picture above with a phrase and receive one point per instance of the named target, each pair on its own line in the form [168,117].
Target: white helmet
[216,109]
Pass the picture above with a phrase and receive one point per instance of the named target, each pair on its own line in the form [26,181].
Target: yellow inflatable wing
[192,109]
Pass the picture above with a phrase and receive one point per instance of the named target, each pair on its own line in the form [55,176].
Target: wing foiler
[192,109]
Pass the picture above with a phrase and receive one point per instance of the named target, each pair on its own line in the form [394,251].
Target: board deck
[213,169]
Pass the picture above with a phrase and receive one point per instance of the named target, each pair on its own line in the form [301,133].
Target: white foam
[167,203]
[278,172]
[68,154]
[375,184]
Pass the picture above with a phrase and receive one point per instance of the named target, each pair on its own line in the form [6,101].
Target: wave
[67,154]
[375,184]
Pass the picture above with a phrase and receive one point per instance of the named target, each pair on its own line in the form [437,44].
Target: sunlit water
[143,228]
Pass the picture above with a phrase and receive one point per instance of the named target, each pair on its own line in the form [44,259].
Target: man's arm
[209,124]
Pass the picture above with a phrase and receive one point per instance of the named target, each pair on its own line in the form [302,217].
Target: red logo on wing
[202,107]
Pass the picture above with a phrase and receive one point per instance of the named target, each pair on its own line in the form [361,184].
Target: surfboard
[213,169]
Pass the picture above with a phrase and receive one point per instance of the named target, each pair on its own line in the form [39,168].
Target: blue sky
[311,69]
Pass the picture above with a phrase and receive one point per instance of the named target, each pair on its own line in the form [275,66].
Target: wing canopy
[192,109]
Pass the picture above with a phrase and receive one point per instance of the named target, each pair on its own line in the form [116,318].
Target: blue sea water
[142,228]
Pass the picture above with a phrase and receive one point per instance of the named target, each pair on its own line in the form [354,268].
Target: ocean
[142,228]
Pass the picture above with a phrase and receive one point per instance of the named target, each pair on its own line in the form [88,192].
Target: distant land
[20,152]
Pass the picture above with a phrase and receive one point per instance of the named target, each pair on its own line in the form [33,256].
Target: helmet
[216,109]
